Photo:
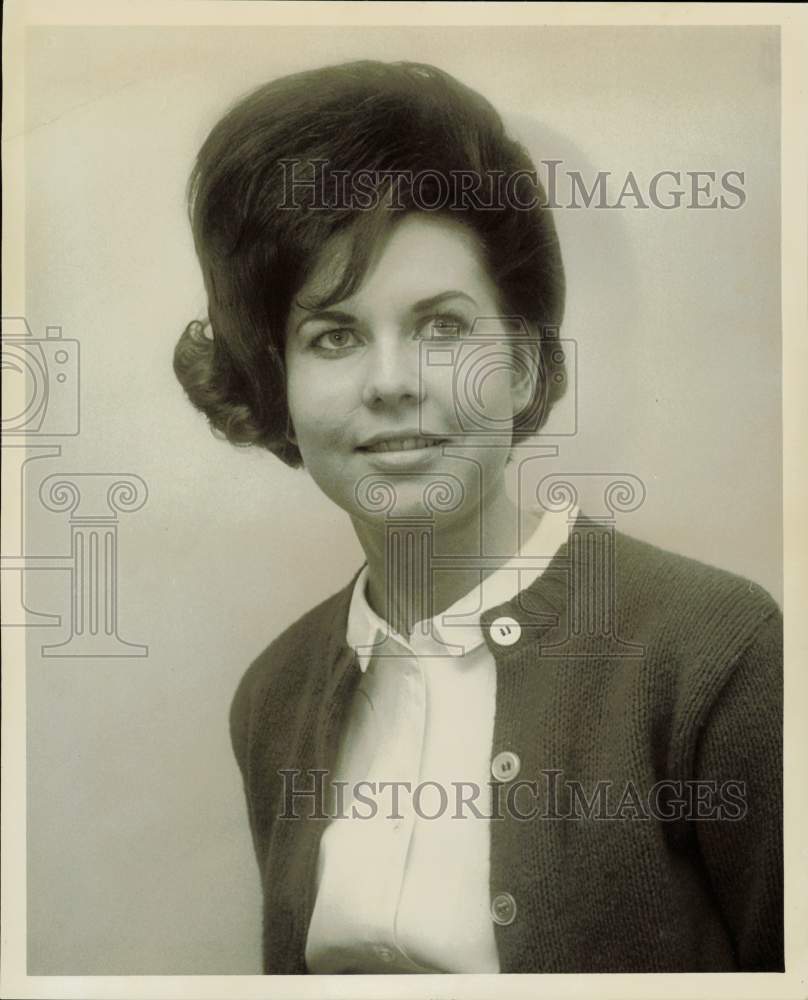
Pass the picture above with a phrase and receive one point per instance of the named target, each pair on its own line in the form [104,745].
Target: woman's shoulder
[711,657]
[695,621]
[654,579]
[702,625]
[291,659]
[310,636]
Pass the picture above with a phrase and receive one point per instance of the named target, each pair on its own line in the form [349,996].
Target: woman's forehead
[417,258]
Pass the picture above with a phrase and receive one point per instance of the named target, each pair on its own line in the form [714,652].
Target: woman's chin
[401,491]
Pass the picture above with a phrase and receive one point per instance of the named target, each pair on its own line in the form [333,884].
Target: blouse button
[505,766]
[503,909]
[506,631]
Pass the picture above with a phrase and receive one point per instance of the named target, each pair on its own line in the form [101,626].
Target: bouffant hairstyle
[262,205]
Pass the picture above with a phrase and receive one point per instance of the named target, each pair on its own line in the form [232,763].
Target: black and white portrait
[396,427]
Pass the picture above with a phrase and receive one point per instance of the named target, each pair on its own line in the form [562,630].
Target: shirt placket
[404,720]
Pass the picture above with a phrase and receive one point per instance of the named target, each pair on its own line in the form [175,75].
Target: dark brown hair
[387,120]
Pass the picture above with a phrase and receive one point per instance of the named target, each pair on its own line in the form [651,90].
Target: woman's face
[408,382]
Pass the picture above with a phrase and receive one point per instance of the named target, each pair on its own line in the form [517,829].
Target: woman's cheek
[440,389]
[313,397]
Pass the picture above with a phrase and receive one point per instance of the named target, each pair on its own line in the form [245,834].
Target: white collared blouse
[403,869]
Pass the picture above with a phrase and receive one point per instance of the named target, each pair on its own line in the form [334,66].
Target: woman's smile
[406,453]
[405,450]
[403,444]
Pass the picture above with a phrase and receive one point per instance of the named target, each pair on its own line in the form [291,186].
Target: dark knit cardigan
[615,892]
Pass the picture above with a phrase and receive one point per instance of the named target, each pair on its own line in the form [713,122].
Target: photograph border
[793,22]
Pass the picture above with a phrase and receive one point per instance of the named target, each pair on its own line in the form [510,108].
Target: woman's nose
[393,376]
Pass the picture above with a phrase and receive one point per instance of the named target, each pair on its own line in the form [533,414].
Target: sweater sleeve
[743,851]
[239,720]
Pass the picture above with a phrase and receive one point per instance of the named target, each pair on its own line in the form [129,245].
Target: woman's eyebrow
[423,304]
[332,315]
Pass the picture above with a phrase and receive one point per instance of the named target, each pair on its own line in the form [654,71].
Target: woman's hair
[349,150]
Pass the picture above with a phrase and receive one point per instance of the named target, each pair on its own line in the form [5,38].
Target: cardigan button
[506,631]
[503,909]
[505,766]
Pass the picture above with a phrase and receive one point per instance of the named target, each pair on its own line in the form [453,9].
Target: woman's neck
[404,584]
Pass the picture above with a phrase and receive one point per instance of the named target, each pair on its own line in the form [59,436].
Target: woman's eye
[335,340]
[445,325]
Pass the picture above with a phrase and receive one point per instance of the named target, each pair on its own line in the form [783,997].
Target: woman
[446,768]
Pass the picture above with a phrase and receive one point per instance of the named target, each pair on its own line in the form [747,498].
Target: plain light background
[139,853]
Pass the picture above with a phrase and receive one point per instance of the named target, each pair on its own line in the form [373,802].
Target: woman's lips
[404,453]
[404,444]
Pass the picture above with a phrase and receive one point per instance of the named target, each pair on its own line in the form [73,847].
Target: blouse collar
[458,629]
